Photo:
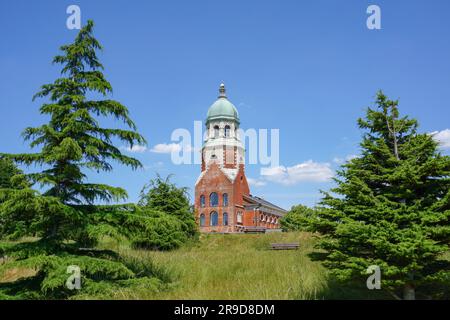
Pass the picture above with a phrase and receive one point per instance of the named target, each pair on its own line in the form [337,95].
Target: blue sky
[308,68]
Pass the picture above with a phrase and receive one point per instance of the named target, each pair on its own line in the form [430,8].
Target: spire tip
[222,91]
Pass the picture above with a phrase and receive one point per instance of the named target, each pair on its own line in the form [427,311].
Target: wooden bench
[255,230]
[284,246]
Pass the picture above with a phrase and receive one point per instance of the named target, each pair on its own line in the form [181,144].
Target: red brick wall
[214,180]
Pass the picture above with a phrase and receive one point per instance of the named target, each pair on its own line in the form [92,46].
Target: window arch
[227,131]
[214,219]
[202,220]
[225,219]
[202,201]
[213,200]
[225,199]
[216,131]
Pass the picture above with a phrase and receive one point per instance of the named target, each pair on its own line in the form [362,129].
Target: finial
[222,91]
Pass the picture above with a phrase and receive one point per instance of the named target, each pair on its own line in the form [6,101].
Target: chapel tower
[223,202]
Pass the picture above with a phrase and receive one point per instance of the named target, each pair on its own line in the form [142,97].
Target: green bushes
[144,227]
[157,231]
[102,272]
[24,212]
[298,219]
[163,196]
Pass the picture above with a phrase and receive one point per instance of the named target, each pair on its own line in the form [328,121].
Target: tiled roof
[264,203]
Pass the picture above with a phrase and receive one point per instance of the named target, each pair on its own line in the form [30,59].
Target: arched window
[213,200]
[202,220]
[225,219]
[227,131]
[214,219]
[225,199]
[202,201]
[216,131]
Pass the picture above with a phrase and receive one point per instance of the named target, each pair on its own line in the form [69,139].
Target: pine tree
[64,218]
[73,140]
[391,208]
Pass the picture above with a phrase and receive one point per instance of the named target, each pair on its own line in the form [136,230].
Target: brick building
[223,202]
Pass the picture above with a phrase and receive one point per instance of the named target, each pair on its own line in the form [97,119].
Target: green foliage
[73,140]
[392,207]
[102,272]
[64,217]
[24,213]
[297,219]
[156,230]
[143,227]
[162,220]
[163,196]
[11,179]
[7,171]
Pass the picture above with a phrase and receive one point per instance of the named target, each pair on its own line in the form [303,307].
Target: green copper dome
[222,109]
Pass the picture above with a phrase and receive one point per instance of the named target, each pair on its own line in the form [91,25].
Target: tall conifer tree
[73,140]
[391,207]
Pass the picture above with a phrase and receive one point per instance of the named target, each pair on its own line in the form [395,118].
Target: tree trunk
[409,292]
[394,134]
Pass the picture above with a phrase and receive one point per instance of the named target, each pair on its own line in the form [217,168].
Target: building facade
[223,202]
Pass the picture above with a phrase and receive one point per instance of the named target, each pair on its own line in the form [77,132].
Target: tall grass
[228,267]
[234,267]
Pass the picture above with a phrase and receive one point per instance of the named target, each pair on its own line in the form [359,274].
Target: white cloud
[166,148]
[443,137]
[256,182]
[172,147]
[135,149]
[339,160]
[308,171]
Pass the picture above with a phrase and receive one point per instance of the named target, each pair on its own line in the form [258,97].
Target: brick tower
[222,196]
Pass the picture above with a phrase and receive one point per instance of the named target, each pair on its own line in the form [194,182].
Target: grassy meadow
[226,266]
[237,267]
